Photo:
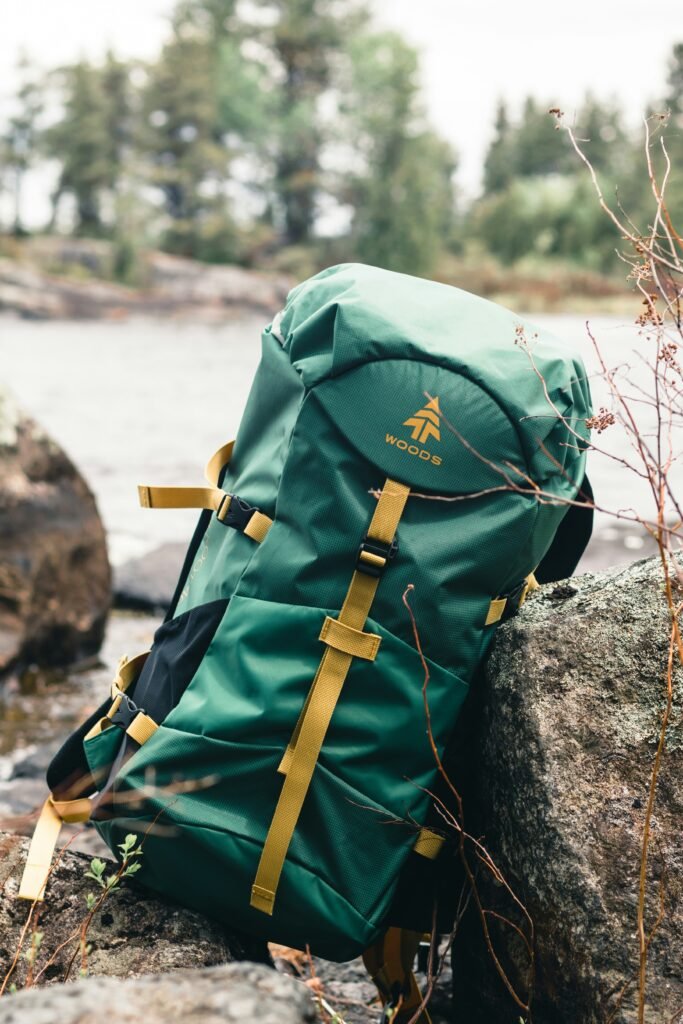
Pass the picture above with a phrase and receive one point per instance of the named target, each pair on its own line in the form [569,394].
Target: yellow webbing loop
[499,604]
[428,844]
[213,497]
[128,671]
[182,497]
[258,526]
[352,641]
[389,962]
[320,704]
[44,840]
[142,728]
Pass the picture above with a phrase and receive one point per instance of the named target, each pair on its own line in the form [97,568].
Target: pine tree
[499,169]
[19,141]
[402,198]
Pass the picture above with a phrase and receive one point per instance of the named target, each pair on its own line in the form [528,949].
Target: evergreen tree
[19,141]
[499,167]
[181,138]
[402,198]
[539,148]
[92,137]
[307,38]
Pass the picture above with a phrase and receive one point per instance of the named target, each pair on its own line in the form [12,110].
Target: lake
[146,401]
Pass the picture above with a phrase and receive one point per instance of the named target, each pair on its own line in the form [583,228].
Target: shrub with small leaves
[130,851]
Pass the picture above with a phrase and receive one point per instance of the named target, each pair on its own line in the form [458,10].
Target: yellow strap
[315,719]
[496,611]
[142,728]
[389,962]
[212,497]
[258,526]
[128,671]
[217,463]
[499,604]
[428,844]
[531,585]
[44,840]
[183,497]
[352,641]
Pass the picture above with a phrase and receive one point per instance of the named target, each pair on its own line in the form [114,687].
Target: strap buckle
[239,512]
[514,599]
[125,713]
[375,555]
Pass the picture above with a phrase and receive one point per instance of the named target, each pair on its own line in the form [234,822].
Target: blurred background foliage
[290,134]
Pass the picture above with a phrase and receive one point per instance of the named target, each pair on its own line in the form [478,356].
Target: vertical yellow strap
[300,761]
[44,840]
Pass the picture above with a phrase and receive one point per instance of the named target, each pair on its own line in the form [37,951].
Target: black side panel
[569,543]
[178,649]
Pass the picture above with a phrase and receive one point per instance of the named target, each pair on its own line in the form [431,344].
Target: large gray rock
[55,579]
[232,994]
[563,740]
[134,933]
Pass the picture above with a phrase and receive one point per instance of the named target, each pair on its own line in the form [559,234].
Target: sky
[473,51]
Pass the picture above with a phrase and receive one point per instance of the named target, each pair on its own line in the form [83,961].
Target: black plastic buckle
[513,598]
[239,513]
[375,547]
[125,713]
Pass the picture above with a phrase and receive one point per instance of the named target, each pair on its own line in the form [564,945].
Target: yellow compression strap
[44,840]
[302,756]
[212,497]
[389,962]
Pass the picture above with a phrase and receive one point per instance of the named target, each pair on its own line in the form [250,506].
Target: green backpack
[406,456]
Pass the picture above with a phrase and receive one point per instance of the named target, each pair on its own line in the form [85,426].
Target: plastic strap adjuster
[375,555]
[238,514]
[125,713]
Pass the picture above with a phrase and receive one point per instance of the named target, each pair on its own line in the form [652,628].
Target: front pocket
[225,738]
[100,753]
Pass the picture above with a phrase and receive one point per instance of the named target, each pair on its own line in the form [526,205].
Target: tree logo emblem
[425,423]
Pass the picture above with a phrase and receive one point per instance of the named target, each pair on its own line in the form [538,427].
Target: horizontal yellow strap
[258,527]
[428,844]
[142,728]
[352,641]
[44,840]
[181,497]
[72,811]
[496,611]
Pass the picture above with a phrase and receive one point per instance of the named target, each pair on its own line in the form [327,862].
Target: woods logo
[425,424]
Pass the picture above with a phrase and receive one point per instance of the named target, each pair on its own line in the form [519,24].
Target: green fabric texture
[357,353]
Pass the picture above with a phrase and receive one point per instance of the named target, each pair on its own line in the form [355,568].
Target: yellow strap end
[262,899]
[496,611]
[428,844]
[40,854]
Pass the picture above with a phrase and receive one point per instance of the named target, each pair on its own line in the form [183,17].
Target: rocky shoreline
[65,279]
